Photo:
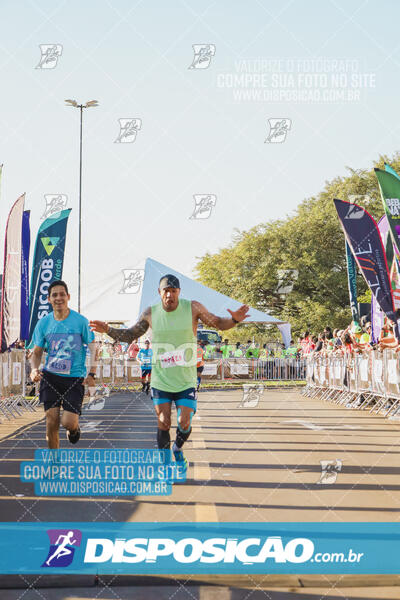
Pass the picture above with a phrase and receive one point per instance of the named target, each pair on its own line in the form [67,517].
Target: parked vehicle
[210,336]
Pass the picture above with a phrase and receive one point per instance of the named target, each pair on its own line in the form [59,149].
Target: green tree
[310,241]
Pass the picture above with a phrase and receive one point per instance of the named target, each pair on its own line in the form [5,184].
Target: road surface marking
[204,511]
[316,427]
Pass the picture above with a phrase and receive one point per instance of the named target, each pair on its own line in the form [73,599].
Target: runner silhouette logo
[62,547]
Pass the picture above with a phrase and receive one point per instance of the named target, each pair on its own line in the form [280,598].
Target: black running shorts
[58,391]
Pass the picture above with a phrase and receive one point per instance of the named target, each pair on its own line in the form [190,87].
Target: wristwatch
[91,374]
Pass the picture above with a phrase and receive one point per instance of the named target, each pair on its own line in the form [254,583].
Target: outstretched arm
[221,323]
[125,335]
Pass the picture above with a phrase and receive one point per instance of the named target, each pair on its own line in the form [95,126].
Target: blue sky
[198,136]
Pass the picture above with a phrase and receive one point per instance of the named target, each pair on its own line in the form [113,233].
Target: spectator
[217,349]
[253,352]
[356,331]
[238,352]
[387,338]
[328,333]
[347,343]
[330,344]
[291,352]
[311,345]
[263,355]
[208,351]
[281,351]
[104,351]
[117,349]
[365,339]
[226,349]
[339,342]
[320,343]
[306,343]
[133,350]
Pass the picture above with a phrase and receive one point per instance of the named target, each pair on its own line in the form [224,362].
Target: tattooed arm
[125,335]
[222,323]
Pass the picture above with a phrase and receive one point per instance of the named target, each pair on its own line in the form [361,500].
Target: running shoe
[73,436]
[180,458]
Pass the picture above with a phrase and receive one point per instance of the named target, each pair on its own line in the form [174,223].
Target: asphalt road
[258,461]
[263,463]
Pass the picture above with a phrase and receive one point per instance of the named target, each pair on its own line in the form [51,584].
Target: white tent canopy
[193,290]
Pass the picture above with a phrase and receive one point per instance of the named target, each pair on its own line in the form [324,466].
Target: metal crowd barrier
[369,380]
[119,374]
[13,380]
[281,369]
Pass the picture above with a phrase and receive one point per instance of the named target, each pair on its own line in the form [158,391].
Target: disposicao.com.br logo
[192,550]
[247,551]
[144,548]
[62,547]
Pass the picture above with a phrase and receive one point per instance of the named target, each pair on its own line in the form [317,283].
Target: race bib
[172,359]
[61,366]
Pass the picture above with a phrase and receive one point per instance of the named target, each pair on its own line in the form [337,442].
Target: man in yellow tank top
[174,325]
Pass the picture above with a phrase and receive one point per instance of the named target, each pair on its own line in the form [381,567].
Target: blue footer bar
[208,548]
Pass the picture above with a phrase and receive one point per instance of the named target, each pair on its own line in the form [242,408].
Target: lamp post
[81,107]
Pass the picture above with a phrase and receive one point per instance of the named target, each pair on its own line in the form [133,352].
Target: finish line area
[247,464]
[277,457]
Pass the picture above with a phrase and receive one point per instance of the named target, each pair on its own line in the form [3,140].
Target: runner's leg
[163,412]
[199,372]
[184,428]
[52,427]
[143,381]
[185,414]
[70,420]
[72,399]
[148,382]
[186,406]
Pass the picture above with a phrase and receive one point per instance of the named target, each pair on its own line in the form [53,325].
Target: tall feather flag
[25,248]
[377,314]
[390,169]
[392,206]
[362,234]
[389,186]
[395,281]
[1,276]
[10,317]
[47,265]
[352,283]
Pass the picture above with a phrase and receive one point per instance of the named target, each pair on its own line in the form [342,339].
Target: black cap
[169,281]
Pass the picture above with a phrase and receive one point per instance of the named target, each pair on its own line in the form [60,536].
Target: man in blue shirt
[65,335]
[145,357]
